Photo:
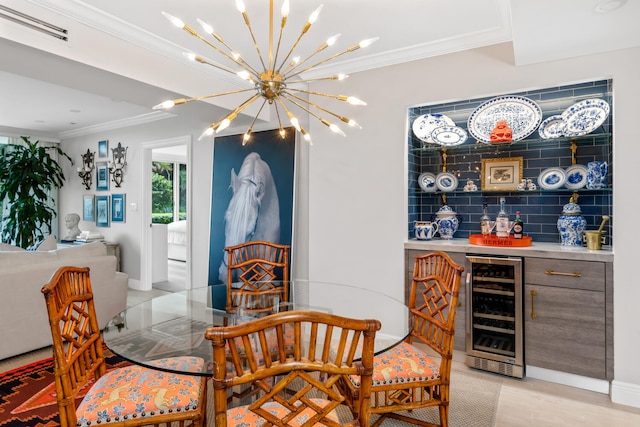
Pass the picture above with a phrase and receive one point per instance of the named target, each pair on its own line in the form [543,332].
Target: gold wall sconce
[86,170]
[117,164]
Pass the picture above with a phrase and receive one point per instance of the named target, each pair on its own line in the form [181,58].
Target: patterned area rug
[474,400]
[28,394]
[27,398]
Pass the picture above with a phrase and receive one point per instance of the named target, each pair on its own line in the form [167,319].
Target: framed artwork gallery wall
[528,157]
[103,208]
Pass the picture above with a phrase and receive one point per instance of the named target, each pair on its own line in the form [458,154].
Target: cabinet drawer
[589,275]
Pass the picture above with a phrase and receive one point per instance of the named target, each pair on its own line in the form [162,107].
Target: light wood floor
[522,403]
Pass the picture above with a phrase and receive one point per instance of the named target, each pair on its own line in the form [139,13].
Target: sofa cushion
[14,259]
[84,250]
[4,247]
[48,244]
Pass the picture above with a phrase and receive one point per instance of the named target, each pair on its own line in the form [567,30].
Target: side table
[112,249]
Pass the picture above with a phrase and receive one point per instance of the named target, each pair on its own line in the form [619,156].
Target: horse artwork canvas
[252,198]
[254,210]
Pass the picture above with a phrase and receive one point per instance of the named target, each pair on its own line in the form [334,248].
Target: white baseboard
[586,383]
[625,393]
[136,285]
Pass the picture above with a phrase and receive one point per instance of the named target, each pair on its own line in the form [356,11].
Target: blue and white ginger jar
[447,222]
[571,225]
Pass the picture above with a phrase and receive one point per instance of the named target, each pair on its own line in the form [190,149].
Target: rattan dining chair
[257,276]
[405,378]
[294,388]
[127,396]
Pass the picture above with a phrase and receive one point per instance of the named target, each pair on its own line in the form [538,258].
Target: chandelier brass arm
[350,49]
[335,128]
[347,120]
[271,84]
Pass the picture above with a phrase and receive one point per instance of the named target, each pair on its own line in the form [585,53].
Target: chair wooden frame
[433,300]
[256,264]
[78,354]
[323,343]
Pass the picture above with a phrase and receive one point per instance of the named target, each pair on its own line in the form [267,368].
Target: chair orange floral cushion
[139,391]
[402,364]
[242,416]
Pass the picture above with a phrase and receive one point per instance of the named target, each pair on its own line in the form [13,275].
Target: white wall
[128,235]
[358,186]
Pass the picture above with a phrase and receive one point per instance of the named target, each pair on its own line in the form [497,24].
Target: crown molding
[117,124]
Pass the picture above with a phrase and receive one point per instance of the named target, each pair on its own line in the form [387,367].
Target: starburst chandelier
[280,83]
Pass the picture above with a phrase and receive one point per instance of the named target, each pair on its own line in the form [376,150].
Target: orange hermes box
[493,240]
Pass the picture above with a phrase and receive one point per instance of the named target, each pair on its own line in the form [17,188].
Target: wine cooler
[494,330]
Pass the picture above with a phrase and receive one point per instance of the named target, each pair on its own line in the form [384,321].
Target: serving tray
[493,240]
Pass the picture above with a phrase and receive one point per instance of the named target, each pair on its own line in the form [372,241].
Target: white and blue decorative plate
[585,116]
[449,136]
[521,114]
[425,124]
[427,181]
[446,181]
[552,178]
[552,127]
[576,177]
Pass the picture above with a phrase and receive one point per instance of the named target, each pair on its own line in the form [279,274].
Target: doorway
[166,229]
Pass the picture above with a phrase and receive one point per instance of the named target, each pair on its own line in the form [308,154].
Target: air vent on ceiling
[33,23]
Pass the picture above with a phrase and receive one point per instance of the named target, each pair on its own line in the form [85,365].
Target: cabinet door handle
[558,273]
[533,308]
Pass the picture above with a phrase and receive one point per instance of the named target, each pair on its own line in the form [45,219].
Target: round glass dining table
[173,325]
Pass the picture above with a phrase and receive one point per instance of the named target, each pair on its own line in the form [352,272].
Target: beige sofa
[24,325]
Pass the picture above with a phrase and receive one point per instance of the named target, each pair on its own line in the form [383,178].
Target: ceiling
[123,57]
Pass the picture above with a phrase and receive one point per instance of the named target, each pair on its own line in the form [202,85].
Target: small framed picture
[103,148]
[88,207]
[118,208]
[102,211]
[501,174]
[102,176]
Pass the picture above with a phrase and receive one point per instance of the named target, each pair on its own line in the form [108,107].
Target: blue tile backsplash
[539,209]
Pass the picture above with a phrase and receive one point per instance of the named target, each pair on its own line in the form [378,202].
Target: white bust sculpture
[71,221]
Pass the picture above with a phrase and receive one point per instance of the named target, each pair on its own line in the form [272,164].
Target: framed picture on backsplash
[502,174]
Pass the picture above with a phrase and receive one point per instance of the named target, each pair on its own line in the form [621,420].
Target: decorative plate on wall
[521,114]
[427,181]
[425,124]
[576,177]
[446,181]
[449,136]
[585,116]
[552,127]
[552,178]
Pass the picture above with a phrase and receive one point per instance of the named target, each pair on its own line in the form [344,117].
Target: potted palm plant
[28,173]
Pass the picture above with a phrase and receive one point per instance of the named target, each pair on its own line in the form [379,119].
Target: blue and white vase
[597,175]
[571,225]
[447,222]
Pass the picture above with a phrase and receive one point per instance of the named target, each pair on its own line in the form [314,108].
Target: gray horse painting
[254,209]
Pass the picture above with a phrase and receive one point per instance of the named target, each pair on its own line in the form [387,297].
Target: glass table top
[173,325]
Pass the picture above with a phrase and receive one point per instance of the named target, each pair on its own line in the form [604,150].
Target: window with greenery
[168,192]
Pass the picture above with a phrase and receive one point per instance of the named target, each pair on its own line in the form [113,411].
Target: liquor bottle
[502,221]
[485,222]
[518,226]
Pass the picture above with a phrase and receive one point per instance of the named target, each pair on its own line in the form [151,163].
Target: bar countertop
[536,250]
